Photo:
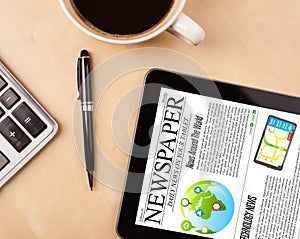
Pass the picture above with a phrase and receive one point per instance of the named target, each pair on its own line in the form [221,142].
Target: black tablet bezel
[262,137]
[154,81]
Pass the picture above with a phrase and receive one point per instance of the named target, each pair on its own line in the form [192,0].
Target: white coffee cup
[176,22]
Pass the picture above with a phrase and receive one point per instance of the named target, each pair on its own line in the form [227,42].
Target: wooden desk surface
[254,43]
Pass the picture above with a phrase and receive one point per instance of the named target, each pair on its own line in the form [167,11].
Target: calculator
[25,127]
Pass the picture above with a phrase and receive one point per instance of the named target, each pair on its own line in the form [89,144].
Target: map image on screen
[275,142]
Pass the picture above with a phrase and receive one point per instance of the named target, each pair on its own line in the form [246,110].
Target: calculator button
[1,112]
[3,161]
[2,83]
[9,98]
[30,121]
[14,135]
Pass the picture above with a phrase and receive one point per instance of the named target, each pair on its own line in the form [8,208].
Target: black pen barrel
[87,117]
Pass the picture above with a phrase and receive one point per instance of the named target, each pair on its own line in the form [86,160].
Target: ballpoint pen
[84,94]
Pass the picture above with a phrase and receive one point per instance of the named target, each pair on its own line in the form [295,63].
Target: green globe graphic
[207,207]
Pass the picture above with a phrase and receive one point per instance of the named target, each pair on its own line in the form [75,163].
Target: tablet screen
[208,162]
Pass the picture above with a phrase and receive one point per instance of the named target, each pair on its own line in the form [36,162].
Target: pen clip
[78,80]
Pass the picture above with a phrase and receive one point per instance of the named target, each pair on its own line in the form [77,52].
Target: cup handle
[187,29]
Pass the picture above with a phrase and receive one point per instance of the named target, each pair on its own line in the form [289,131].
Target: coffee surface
[123,17]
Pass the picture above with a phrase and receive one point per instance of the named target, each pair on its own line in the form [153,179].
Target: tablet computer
[197,166]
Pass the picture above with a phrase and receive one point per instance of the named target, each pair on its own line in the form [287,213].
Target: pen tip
[84,53]
[91,179]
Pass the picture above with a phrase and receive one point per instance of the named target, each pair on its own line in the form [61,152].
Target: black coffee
[123,17]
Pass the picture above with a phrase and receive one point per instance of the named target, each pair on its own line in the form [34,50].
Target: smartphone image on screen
[275,142]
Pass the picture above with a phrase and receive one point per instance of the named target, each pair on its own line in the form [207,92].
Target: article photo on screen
[275,142]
